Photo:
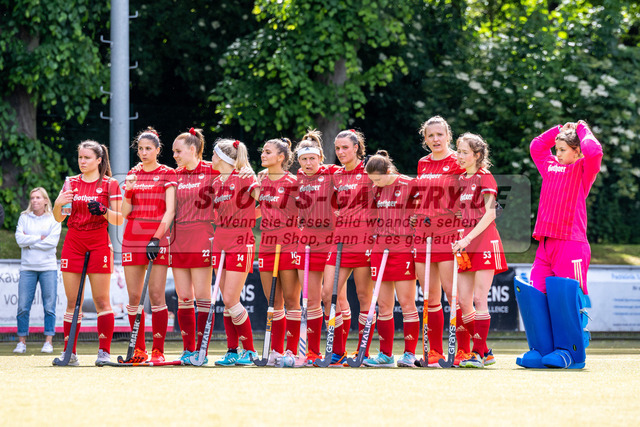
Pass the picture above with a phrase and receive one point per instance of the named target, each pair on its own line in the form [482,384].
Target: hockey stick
[272,298]
[136,324]
[198,359]
[424,362]
[129,364]
[452,319]
[331,325]
[302,342]
[372,310]
[74,321]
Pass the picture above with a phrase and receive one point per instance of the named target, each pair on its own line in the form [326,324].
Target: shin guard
[534,312]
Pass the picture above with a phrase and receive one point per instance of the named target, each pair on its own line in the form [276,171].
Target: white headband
[308,150]
[223,156]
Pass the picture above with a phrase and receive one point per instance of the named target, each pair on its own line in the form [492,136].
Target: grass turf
[503,394]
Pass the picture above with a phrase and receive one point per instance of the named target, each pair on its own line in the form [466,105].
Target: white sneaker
[103,357]
[47,347]
[73,360]
[20,348]
[286,360]
[273,358]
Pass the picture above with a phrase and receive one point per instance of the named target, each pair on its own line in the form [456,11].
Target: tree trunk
[330,126]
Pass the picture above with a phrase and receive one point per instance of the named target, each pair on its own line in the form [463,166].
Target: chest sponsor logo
[556,168]
[347,187]
[267,198]
[143,186]
[466,197]
[310,188]
[188,186]
[387,203]
[430,175]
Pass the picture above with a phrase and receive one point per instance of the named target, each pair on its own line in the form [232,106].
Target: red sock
[159,322]
[314,327]
[435,326]
[482,323]
[462,334]
[132,311]
[187,322]
[362,321]
[346,324]
[468,323]
[293,330]
[385,332]
[68,317]
[278,331]
[411,327]
[105,330]
[230,330]
[240,319]
[201,321]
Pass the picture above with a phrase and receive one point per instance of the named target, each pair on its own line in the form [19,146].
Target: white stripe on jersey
[496,254]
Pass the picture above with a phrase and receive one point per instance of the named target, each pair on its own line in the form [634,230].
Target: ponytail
[101,152]
[234,150]
[283,146]
[193,137]
[357,138]
[380,163]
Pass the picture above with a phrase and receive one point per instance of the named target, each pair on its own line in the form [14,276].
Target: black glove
[97,208]
[153,248]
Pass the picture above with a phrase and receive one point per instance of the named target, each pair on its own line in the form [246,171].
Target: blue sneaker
[380,361]
[407,360]
[185,357]
[246,359]
[473,361]
[489,358]
[338,360]
[229,359]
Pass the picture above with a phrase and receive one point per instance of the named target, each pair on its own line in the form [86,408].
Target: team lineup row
[196,219]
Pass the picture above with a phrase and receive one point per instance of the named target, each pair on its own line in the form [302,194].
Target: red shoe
[311,357]
[139,356]
[156,356]
[433,358]
[460,356]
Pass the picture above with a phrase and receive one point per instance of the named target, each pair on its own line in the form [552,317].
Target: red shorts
[77,242]
[356,249]
[191,245]
[443,232]
[320,242]
[136,237]
[238,245]
[400,264]
[289,257]
[486,252]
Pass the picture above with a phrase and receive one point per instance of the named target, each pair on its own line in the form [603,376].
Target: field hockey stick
[372,310]
[331,325]
[272,299]
[136,324]
[452,319]
[130,364]
[74,321]
[302,342]
[424,362]
[198,359]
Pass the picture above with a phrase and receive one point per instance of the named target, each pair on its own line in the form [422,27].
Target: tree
[303,67]
[49,56]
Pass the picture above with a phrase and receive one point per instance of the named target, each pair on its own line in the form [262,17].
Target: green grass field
[37,393]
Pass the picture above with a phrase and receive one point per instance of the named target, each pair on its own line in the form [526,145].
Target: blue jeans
[26,292]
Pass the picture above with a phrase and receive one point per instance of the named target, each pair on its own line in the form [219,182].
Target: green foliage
[48,50]
[286,75]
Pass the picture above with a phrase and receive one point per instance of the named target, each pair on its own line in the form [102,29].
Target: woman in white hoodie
[37,234]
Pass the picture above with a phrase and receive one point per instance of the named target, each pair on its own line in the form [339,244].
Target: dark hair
[283,146]
[357,138]
[435,120]
[570,136]
[195,139]
[380,163]
[478,146]
[101,152]
[150,134]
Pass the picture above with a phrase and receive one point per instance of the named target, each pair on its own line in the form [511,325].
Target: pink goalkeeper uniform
[148,206]
[317,217]
[485,251]
[439,191]
[395,204]
[279,223]
[356,219]
[236,217]
[561,224]
[88,233]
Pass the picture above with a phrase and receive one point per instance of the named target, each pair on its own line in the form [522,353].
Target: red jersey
[354,198]
[395,204]
[149,200]
[103,192]
[194,201]
[315,193]
[233,202]
[472,194]
[278,203]
[437,180]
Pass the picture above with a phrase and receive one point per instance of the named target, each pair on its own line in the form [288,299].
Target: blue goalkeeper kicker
[567,307]
[534,312]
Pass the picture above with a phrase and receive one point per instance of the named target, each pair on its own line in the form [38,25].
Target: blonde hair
[45,196]
[283,146]
[478,146]
[435,120]
[234,149]
[195,139]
